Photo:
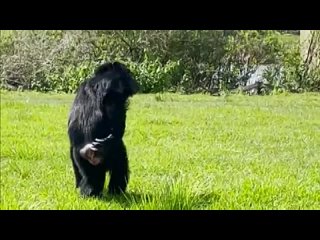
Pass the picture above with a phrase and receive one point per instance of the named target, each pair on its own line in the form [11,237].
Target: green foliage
[6,42]
[44,60]
[292,73]
[154,76]
[71,77]
[187,61]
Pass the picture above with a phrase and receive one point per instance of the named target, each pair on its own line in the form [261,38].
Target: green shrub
[188,61]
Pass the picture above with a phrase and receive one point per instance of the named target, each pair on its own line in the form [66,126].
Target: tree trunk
[310,47]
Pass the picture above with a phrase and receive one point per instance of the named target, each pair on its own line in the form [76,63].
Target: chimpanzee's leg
[119,170]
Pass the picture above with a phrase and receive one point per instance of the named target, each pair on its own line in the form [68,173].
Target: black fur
[99,111]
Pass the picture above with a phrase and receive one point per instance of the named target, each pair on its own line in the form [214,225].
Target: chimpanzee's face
[114,104]
[119,85]
[115,101]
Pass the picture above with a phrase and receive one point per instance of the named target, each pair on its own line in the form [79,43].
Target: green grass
[186,152]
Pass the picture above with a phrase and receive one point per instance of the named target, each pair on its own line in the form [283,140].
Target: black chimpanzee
[96,126]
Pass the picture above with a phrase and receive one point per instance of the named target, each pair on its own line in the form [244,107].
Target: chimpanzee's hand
[94,151]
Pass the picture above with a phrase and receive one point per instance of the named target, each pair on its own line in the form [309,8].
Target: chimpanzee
[96,126]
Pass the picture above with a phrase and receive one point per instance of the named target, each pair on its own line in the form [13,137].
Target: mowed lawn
[185,152]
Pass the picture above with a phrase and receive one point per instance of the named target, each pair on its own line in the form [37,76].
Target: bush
[153,76]
[40,60]
[293,74]
[186,61]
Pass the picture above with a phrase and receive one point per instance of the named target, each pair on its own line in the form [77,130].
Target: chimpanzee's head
[114,84]
[117,79]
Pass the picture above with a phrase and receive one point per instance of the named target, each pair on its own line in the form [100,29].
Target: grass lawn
[185,152]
